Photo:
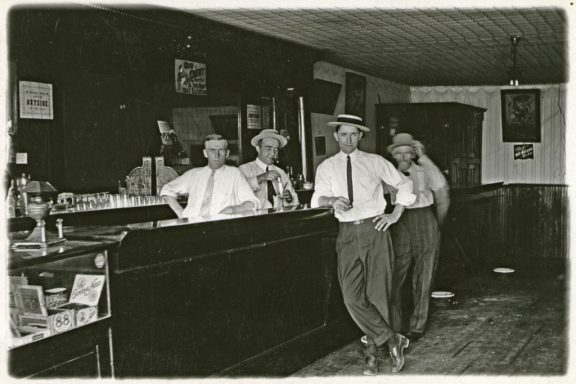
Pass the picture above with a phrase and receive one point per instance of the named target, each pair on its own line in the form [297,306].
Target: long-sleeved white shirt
[426,179]
[368,172]
[257,167]
[230,188]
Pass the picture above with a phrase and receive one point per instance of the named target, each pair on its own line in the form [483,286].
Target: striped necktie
[205,207]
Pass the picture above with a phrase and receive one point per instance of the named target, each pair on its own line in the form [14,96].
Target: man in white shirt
[351,183]
[213,189]
[268,181]
[416,236]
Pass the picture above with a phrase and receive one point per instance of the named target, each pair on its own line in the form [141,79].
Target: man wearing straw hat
[269,182]
[416,236]
[351,183]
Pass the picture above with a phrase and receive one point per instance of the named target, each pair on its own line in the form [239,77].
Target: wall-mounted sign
[190,77]
[523,151]
[36,100]
[254,116]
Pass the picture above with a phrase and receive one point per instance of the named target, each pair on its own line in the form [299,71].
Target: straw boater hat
[401,140]
[272,133]
[352,120]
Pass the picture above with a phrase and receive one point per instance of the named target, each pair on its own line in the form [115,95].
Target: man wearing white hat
[269,182]
[351,183]
[416,236]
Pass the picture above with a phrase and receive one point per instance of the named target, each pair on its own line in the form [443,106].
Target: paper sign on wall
[254,116]
[36,100]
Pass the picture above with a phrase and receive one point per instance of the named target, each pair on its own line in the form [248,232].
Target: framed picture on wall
[520,115]
[355,100]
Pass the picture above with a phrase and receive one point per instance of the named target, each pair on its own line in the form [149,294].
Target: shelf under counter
[68,336]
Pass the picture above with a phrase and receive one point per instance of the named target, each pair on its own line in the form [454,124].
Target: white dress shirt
[426,178]
[230,188]
[368,172]
[257,167]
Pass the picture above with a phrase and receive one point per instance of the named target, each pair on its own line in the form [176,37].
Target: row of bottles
[296,180]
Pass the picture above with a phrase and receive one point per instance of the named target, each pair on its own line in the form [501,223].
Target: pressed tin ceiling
[421,47]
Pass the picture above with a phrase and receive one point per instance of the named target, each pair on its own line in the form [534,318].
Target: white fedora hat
[272,133]
[352,120]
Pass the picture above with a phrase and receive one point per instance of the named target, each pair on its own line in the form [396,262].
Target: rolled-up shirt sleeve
[402,184]
[322,185]
[250,172]
[244,191]
[434,176]
[176,187]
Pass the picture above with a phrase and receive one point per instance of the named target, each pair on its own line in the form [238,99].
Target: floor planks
[515,325]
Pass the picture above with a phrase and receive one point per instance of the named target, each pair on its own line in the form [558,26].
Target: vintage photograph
[285,190]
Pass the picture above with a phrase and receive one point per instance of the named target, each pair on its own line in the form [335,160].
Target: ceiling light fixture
[514,72]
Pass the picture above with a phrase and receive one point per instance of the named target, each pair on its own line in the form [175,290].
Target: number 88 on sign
[62,321]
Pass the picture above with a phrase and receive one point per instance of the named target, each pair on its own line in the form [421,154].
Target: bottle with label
[11,202]
[299,181]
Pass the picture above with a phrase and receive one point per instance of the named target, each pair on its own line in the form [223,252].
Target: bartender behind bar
[213,189]
[269,182]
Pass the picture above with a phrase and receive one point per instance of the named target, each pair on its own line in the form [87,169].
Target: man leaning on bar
[351,183]
[214,189]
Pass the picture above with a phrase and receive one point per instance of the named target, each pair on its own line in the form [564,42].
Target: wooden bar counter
[254,294]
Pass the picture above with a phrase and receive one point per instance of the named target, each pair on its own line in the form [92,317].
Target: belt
[361,221]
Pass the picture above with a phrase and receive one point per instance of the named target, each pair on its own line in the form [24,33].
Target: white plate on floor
[442,294]
[503,270]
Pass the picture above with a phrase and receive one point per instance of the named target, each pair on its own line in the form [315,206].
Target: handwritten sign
[87,289]
[523,151]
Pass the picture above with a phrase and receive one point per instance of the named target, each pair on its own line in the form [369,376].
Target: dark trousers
[365,260]
[416,238]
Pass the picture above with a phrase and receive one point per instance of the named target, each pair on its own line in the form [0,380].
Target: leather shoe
[397,352]
[370,365]
[414,336]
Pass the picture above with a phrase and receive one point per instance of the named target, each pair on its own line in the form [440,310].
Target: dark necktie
[349,180]
[406,173]
[271,191]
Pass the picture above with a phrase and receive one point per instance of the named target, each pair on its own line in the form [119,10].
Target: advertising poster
[523,151]
[190,77]
[36,100]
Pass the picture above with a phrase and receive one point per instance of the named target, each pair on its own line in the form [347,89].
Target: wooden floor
[502,326]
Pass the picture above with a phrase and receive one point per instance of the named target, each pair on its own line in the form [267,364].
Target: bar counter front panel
[255,294]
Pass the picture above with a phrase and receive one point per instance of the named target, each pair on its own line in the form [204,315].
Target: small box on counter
[58,320]
[83,314]
[84,298]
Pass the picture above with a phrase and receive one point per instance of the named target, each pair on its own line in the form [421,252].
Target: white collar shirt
[426,179]
[368,172]
[230,188]
[257,167]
